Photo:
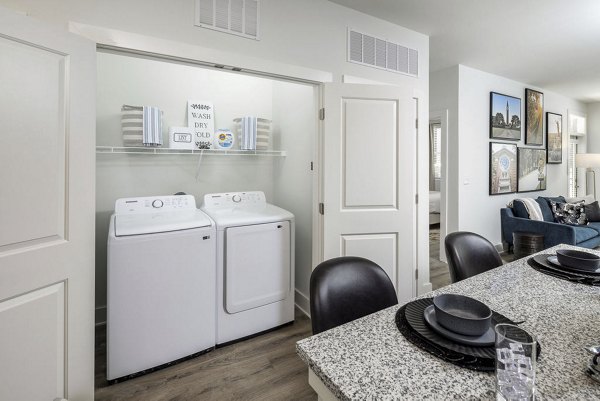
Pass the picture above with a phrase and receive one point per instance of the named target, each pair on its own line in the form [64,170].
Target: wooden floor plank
[262,368]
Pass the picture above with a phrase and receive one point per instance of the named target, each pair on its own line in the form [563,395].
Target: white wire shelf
[201,152]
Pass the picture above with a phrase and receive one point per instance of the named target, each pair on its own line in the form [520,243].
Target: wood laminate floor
[439,275]
[262,368]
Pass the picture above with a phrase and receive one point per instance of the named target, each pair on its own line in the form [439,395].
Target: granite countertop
[369,358]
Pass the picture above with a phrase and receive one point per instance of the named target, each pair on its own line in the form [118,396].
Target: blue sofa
[517,219]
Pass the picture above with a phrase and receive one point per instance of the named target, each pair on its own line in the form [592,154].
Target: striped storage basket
[132,125]
[263,133]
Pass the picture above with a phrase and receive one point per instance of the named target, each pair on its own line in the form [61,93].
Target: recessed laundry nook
[257,198]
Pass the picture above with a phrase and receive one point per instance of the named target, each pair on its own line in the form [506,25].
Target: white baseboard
[100,315]
[302,302]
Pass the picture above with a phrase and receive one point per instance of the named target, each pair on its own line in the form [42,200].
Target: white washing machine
[161,283]
[255,264]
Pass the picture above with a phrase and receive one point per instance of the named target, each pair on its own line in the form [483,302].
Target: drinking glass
[515,363]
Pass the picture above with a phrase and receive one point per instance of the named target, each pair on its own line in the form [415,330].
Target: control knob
[236,198]
[157,203]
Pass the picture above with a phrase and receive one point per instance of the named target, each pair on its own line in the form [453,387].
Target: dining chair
[347,288]
[469,254]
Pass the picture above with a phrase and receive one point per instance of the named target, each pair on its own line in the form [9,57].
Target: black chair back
[469,254]
[347,288]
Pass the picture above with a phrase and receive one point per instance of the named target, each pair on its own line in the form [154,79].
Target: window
[577,128]
[571,169]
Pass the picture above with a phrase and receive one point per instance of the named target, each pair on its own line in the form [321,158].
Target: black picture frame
[528,162]
[502,168]
[534,117]
[554,138]
[505,128]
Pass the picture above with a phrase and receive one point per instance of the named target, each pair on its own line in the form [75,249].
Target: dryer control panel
[155,204]
[234,199]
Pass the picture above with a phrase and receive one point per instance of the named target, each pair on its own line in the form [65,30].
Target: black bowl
[462,314]
[578,259]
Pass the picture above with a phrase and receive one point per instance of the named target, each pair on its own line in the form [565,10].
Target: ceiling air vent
[379,53]
[238,17]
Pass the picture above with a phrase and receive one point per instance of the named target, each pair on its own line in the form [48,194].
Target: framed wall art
[534,117]
[505,117]
[503,168]
[553,138]
[532,169]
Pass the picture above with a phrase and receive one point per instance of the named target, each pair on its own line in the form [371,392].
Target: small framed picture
[505,117]
[534,117]
[532,169]
[553,138]
[503,168]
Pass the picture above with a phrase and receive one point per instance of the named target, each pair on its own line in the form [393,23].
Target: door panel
[380,248]
[38,319]
[369,152]
[37,88]
[257,265]
[369,185]
[47,148]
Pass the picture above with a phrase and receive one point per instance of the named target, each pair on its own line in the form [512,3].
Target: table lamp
[589,161]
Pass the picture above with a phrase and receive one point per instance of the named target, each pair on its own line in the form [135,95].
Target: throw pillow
[545,208]
[592,211]
[519,209]
[569,213]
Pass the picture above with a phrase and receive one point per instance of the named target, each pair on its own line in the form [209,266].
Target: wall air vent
[383,54]
[238,17]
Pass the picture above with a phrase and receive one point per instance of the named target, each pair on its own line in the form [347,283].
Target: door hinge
[312,167]
[417,274]
[321,208]
[322,114]
[417,123]
[416,198]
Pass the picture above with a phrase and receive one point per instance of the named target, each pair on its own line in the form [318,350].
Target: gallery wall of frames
[516,168]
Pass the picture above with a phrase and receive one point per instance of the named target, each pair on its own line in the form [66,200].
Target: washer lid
[160,222]
[241,216]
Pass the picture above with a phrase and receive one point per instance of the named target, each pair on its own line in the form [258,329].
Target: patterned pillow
[569,213]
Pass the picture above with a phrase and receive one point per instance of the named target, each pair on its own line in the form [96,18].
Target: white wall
[477,210]
[593,127]
[294,128]
[307,33]
[443,95]
[593,136]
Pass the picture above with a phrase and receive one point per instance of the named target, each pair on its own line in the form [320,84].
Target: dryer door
[257,265]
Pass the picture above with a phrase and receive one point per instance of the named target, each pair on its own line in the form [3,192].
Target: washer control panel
[155,204]
[234,199]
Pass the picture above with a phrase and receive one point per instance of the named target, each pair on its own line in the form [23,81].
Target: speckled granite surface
[370,359]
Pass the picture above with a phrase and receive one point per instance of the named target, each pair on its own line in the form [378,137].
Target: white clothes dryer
[255,264]
[160,283]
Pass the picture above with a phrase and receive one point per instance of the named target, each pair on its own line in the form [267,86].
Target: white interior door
[47,139]
[369,178]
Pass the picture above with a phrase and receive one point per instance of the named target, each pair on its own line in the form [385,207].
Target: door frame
[441,116]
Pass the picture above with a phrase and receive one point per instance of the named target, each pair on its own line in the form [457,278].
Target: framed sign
[532,169]
[201,119]
[534,117]
[505,117]
[503,168]
[553,138]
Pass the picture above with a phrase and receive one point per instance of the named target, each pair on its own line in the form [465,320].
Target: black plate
[554,261]
[485,340]
[542,261]
[411,323]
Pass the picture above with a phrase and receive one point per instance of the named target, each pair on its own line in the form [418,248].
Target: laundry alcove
[283,172]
